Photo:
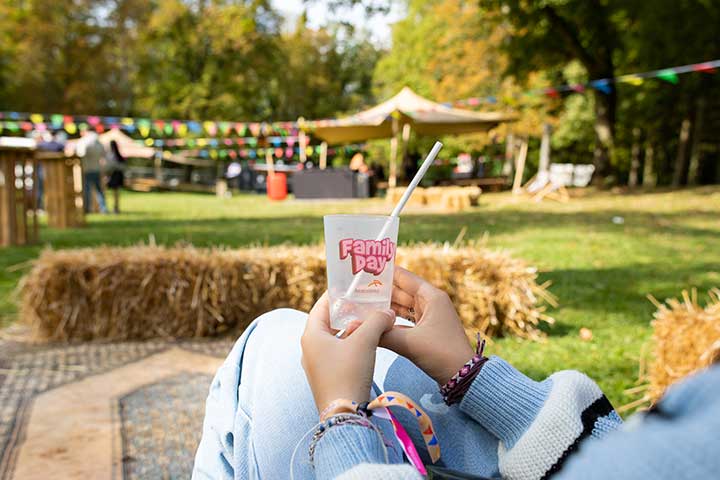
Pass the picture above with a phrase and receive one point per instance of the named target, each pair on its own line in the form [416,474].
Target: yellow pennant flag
[36,118]
[632,80]
[71,128]
[182,129]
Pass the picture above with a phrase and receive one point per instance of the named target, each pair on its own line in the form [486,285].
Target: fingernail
[390,311]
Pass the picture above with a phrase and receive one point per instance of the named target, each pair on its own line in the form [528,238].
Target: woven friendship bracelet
[456,388]
[341,419]
[387,399]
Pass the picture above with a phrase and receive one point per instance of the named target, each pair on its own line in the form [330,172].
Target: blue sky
[318,14]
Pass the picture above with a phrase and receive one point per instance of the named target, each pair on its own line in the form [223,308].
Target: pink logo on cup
[369,255]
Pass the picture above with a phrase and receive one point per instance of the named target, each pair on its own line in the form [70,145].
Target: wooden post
[544,162]
[158,166]
[323,155]
[270,162]
[520,168]
[392,178]
[509,150]
[301,146]
[8,224]
[634,159]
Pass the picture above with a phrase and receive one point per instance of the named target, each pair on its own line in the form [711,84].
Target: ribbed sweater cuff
[344,446]
[504,401]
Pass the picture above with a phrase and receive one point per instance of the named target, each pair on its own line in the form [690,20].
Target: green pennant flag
[668,75]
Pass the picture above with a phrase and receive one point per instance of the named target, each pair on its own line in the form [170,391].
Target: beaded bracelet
[340,419]
[342,407]
[454,390]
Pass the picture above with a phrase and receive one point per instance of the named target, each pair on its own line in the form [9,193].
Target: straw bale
[450,199]
[686,338]
[146,291]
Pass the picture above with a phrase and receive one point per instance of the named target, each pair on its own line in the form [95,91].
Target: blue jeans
[92,180]
[260,408]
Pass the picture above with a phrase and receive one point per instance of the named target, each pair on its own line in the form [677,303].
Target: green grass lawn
[601,271]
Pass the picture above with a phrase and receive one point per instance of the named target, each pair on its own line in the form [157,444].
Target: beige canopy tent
[128,147]
[404,112]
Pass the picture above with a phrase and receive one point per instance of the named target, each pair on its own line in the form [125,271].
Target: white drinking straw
[398,208]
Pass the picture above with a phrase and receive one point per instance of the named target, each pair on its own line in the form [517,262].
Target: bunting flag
[604,85]
[146,127]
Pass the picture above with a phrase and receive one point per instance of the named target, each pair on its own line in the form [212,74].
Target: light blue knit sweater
[561,428]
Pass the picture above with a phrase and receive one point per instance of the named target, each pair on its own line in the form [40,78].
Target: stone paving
[27,371]
[160,426]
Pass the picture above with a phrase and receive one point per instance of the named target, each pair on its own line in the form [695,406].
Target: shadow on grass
[603,292]
[238,231]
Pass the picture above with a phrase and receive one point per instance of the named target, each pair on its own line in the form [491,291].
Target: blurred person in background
[92,155]
[116,167]
[46,143]
[357,163]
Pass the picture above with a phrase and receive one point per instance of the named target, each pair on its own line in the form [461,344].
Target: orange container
[277,186]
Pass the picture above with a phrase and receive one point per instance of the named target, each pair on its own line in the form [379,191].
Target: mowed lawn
[601,270]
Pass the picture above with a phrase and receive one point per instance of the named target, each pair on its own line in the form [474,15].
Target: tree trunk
[634,159]
[649,178]
[605,106]
[681,163]
[694,167]
[544,161]
[509,149]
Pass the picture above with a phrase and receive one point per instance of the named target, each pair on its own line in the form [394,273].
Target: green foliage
[177,59]
[573,138]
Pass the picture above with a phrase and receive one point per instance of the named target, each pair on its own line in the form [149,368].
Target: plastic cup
[361,246]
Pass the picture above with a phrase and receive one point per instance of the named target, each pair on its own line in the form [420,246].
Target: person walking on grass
[291,401]
[92,158]
[116,166]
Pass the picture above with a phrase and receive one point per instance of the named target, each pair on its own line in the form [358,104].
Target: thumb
[374,326]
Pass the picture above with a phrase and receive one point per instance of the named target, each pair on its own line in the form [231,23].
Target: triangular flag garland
[604,85]
[284,136]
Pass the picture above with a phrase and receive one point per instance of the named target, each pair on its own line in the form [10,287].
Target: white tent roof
[425,117]
[128,147]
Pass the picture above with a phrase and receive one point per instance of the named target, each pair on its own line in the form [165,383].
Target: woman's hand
[341,368]
[437,343]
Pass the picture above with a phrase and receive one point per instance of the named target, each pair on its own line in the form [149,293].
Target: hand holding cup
[437,343]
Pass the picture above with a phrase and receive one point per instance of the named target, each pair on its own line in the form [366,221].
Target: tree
[198,59]
[552,33]
[322,72]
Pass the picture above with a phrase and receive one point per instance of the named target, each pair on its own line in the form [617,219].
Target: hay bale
[448,199]
[145,292]
[686,338]
[417,199]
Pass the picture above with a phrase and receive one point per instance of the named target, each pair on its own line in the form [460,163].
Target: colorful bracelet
[340,419]
[454,390]
[343,408]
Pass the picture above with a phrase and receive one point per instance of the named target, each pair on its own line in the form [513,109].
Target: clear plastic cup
[360,253]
